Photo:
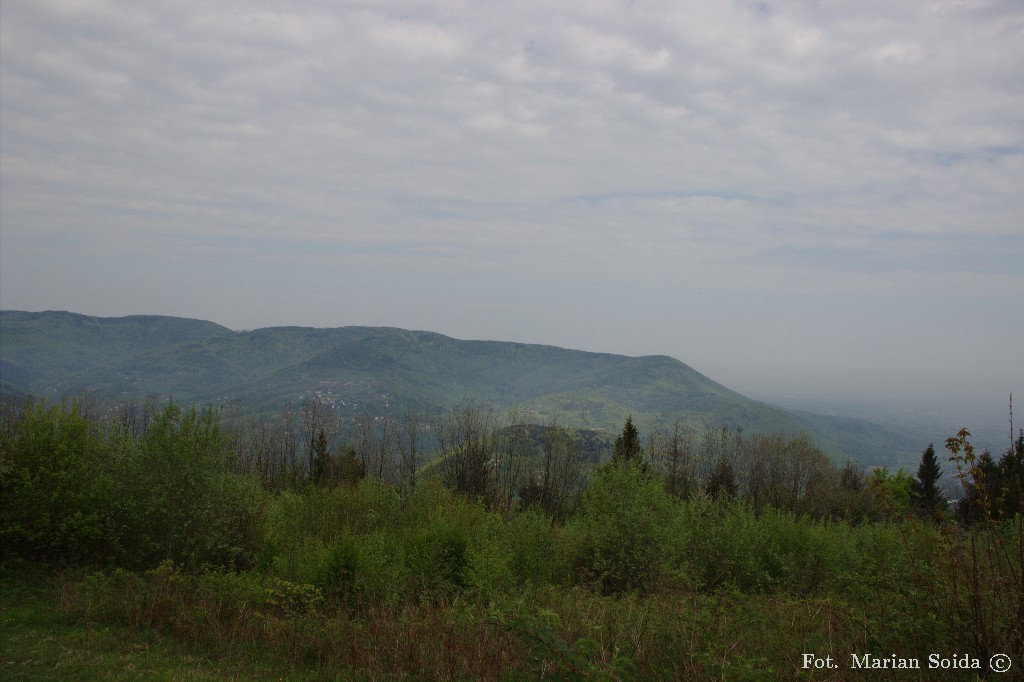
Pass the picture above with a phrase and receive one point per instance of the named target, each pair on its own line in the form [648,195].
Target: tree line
[305,522]
[62,462]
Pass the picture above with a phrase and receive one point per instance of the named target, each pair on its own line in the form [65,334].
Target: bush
[435,544]
[489,557]
[180,502]
[618,539]
[532,547]
[55,497]
[725,544]
[435,559]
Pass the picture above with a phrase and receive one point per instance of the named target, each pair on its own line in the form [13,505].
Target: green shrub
[300,527]
[180,503]
[436,558]
[721,544]
[532,547]
[56,499]
[489,556]
[618,540]
[381,578]
[718,544]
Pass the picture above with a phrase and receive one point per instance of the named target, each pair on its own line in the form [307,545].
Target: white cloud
[634,150]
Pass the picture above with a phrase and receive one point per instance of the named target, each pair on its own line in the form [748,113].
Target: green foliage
[725,545]
[317,536]
[1011,477]
[55,492]
[992,490]
[533,547]
[292,599]
[83,492]
[368,546]
[893,490]
[488,567]
[723,480]
[361,581]
[436,558]
[985,566]
[53,630]
[551,655]
[621,530]
[180,501]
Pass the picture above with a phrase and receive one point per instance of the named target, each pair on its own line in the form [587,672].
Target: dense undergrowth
[157,532]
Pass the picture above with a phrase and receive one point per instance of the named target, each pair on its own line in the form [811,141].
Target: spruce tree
[723,481]
[627,445]
[927,496]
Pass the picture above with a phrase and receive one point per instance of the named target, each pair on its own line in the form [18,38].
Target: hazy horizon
[815,201]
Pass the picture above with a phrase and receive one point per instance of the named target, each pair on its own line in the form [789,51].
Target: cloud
[640,150]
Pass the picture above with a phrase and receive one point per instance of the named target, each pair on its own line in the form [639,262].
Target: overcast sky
[796,196]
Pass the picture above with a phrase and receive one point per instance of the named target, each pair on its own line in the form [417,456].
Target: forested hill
[51,354]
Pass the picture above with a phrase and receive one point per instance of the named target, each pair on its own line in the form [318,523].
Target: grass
[48,633]
[40,640]
[163,625]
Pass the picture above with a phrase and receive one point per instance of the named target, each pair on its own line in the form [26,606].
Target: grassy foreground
[41,640]
[54,628]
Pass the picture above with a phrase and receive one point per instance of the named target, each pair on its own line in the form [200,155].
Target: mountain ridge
[53,353]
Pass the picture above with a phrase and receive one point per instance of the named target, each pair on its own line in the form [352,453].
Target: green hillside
[47,352]
[386,369]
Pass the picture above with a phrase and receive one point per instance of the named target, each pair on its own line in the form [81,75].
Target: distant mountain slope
[45,352]
[357,368]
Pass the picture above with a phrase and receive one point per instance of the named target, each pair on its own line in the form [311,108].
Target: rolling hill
[385,369]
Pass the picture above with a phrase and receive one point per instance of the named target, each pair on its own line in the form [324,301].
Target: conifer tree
[723,481]
[927,496]
[627,445]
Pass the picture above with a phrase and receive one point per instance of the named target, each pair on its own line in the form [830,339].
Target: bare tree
[674,456]
[320,425]
[510,444]
[374,446]
[717,453]
[782,471]
[287,433]
[265,447]
[409,440]
[465,438]
[556,478]
[384,454]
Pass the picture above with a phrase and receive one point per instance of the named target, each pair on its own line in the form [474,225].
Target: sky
[803,198]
